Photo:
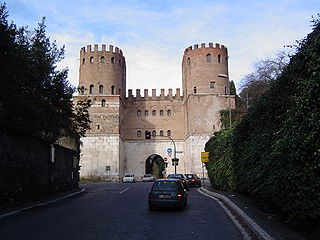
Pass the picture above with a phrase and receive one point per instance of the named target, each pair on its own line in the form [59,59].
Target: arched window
[219,58]
[91,59]
[188,60]
[208,57]
[83,60]
[146,112]
[161,133]
[103,103]
[138,113]
[102,59]
[82,90]
[169,112]
[112,90]
[139,133]
[161,112]
[112,60]
[225,90]
[101,89]
[195,90]
[154,133]
[169,133]
[89,102]
[154,113]
[91,89]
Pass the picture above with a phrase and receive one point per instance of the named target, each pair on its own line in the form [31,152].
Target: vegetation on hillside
[273,153]
[35,97]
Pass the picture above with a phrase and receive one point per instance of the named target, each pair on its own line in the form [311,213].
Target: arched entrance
[155,165]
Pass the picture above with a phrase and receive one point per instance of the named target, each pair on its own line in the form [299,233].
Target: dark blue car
[167,193]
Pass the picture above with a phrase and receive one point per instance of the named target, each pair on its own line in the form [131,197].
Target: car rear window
[190,176]
[166,186]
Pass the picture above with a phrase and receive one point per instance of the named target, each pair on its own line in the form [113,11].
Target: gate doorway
[155,166]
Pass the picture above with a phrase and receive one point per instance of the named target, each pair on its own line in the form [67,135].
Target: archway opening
[155,166]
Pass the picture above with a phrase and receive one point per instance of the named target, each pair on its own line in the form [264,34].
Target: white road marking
[125,190]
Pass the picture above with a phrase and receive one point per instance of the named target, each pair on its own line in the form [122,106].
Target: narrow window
[103,103]
[225,90]
[188,60]
[154,133]
[208,57]
[112,90]
[161,133]
[169,112]
[161,112]
[195,90]
[212,84]
[154,113]
[91,59]
[139,133]
[101,89]
[219,58]
[98,126]
[83,60]
[82,90]
[146,112]
[89,102]
[169,133]
[138,113]
[119,91]
[112,60]
[91,89]
[102,59]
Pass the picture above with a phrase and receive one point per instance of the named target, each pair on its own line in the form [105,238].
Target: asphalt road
[120,211]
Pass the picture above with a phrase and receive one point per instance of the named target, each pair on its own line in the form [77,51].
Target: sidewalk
[268,223]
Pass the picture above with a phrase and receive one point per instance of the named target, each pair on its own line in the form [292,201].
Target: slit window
[169,112]
[112,90]
[112,60]
[188,60]
[146,112]
[83,60]
[161,133]
[101,89]
[138,113]
[219,58]
[139,133]
[161,112]
[154,133]
[169,133]
[154,113]
[102,59]
[208,57]
[91,89]
[91,59]
[103,103]
[195,90]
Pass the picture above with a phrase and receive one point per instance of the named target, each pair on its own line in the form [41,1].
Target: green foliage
[35,97]
[220,168]
[278,141]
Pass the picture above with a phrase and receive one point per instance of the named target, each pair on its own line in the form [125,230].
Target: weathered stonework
[116,143]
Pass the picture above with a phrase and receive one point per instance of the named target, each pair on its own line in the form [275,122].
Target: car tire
[151,208]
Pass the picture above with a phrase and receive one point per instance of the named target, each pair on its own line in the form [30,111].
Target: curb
[40,204]
[261,234]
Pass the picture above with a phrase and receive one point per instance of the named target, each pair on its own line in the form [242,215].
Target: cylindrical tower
[205,70]
[102,72]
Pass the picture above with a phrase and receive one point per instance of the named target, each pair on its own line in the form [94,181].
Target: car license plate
[164,196]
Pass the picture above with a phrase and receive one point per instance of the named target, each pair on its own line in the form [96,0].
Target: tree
[35,97]
[265,72]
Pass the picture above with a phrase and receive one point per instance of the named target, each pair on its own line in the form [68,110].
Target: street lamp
[175,159]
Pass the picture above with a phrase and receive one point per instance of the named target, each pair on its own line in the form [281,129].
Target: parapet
[203,45]
[154,96]
[111,49]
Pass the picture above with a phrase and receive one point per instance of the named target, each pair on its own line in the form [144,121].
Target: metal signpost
[204,159]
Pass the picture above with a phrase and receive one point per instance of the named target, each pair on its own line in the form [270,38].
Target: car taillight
[150,195]
[192,180]
[179,195]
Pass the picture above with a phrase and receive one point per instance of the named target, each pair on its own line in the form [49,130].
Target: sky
[153,34]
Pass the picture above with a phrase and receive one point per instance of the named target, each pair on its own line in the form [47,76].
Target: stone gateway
[183,121]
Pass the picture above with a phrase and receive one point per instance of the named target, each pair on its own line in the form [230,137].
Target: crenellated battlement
[153,95]
[103,48]
[203,46]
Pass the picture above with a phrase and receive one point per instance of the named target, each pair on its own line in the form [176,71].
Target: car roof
[168,179]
